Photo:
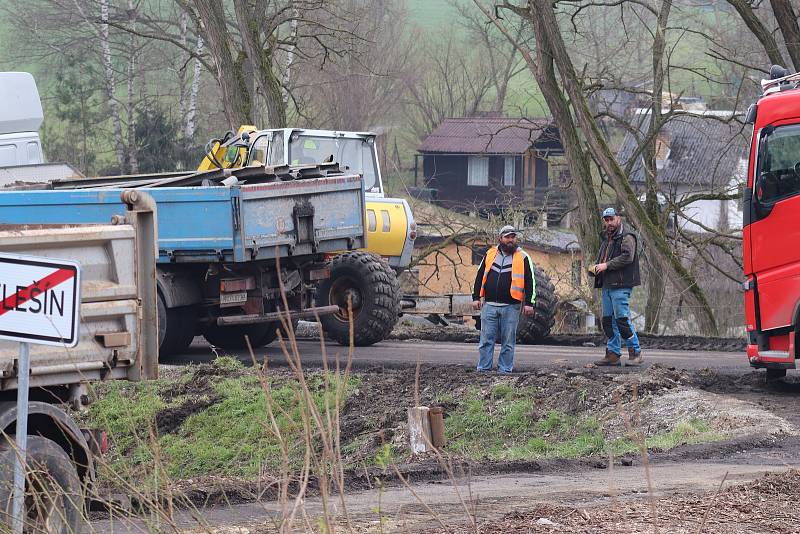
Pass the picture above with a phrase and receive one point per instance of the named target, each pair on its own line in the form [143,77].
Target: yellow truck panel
[387,226]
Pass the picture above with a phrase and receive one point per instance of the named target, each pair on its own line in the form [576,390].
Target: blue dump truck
[238,249]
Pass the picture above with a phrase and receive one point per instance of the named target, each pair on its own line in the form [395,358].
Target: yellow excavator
[374,296]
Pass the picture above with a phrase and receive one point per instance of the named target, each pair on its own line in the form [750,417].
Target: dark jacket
[498,283]
[622,260]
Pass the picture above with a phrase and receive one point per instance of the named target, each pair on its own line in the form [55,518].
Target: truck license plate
[233,298]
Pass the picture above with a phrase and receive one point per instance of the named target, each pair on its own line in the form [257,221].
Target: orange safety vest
[517,273]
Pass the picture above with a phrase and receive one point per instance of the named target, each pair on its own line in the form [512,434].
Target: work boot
[611,359]
[634,358]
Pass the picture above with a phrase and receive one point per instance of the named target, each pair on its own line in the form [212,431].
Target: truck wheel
[175,328]
[535,329]
[232,337]
[53,500]
[372,288]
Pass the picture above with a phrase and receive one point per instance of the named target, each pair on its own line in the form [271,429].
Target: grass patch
[232,436]
[687,432]
[502,424]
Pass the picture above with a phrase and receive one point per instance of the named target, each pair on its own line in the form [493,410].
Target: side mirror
[750,116]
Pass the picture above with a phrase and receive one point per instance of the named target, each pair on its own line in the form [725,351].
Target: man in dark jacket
[505,282]
[617,273]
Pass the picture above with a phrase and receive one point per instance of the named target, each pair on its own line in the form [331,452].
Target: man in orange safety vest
[504,287]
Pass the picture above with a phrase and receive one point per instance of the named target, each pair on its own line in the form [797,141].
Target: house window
[508,175]
[478,171]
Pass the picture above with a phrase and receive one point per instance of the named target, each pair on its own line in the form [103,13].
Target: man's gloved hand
[528,311]
[476,305]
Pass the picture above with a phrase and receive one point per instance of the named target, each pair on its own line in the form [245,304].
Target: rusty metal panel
[110,324]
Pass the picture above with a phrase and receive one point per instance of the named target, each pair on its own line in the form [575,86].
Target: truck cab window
[276,149]
[778,173]
[258,154]
[352,155]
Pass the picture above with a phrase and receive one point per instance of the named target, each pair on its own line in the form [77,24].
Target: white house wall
[711,213]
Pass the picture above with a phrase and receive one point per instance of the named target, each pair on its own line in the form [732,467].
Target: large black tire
[232,337]
[53,499]
[374,291]
[534,329]
[176,327]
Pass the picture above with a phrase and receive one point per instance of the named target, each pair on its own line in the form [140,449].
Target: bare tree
[453,81]
[747,10]
[502,58]
[575,115]
[55,29]
[246,56]
[542,67]
[133,163]
[366,85]
[111,85]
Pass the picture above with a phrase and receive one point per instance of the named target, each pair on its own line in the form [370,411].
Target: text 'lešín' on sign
[39,300]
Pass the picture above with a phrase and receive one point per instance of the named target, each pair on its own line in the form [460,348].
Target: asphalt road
[404,353]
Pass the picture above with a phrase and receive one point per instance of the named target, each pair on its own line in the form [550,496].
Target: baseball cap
[507,229]
[609,212]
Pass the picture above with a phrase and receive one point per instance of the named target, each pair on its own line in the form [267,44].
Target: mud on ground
[739,413]
[765,506]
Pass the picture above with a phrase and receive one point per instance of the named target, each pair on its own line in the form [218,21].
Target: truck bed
[214,223]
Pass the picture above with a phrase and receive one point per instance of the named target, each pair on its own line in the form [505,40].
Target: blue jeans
[616,313]
[498,322]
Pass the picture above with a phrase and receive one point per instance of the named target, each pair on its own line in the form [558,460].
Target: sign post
[22,435]
[40,304]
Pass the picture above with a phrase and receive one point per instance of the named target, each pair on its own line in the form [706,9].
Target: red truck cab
[771,226]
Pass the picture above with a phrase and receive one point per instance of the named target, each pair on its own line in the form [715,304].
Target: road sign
[39,300]
[39,303]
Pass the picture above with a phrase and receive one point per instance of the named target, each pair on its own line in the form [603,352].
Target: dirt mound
[720,416]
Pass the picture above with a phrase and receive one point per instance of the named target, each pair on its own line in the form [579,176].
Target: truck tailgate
[110,313]
[303,216]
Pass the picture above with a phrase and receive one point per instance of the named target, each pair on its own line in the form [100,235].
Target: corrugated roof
[703,150]
[485,135]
